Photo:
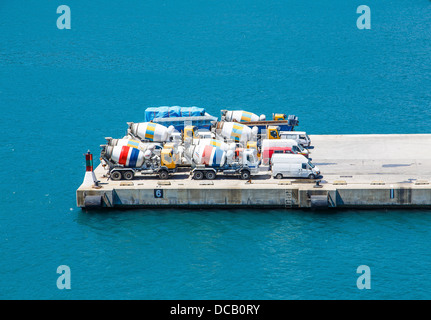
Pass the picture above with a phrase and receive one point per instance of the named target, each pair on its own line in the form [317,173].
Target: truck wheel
[311,176]
[210,175]
[198,175]
[278,176]
[128,175]
[116,175]
[163,174]
[245,175]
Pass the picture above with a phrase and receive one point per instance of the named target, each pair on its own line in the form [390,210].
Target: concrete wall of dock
[293,197]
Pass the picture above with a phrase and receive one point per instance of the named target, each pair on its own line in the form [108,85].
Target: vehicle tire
[198,175]
[278,176]
[245,174]
[128,175]
[311,176]
[116,175]
[163,174]
[210,175]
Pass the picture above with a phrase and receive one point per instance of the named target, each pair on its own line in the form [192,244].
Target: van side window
[304,166]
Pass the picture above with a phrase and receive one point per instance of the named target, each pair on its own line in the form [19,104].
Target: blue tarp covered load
[172,112]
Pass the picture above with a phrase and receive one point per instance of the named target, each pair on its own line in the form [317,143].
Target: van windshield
[310,164]
[300,147]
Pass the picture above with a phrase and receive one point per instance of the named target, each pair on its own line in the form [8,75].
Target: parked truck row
[228,147]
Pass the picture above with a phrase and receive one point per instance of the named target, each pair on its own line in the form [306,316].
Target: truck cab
[167,158]
[253,145]
[273,132]
[190,132]
[279,116]
[175,155]
[250,160]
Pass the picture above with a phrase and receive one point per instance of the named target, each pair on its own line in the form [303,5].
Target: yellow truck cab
[176,157]
[278,116]
[167,158]
[190,132]
[253,145]
[273,132]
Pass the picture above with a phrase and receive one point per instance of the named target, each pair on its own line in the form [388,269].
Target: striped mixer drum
[242,116]
[132,143]
[236,131]
[129,157]
[151,131]
[209,155]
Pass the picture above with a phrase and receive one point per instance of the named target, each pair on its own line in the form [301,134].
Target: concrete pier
[358,171]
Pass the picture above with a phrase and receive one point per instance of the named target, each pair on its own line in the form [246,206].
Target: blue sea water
[63,91]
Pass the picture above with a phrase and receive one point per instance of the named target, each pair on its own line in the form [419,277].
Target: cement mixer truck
[208,161]
[125,162]
[285,122]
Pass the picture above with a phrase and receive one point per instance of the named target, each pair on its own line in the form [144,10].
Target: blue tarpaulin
[172,112]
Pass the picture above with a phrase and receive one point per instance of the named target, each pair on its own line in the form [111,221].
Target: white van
[299,136]
[293,166]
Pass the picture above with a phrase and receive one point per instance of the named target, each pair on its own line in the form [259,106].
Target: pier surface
[396,158]
[358,171]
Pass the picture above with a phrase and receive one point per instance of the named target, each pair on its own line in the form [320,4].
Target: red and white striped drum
[127,156]
[209,156]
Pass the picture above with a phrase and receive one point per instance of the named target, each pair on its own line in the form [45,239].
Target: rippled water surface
[63,91]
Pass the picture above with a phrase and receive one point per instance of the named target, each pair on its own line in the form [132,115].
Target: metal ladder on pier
[288,199]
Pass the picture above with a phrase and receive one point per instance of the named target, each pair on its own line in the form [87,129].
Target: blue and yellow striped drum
[150,131]
[242,116]
[236,131]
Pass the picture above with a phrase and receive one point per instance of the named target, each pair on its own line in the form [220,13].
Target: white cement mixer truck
[126,162]
[208,161]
